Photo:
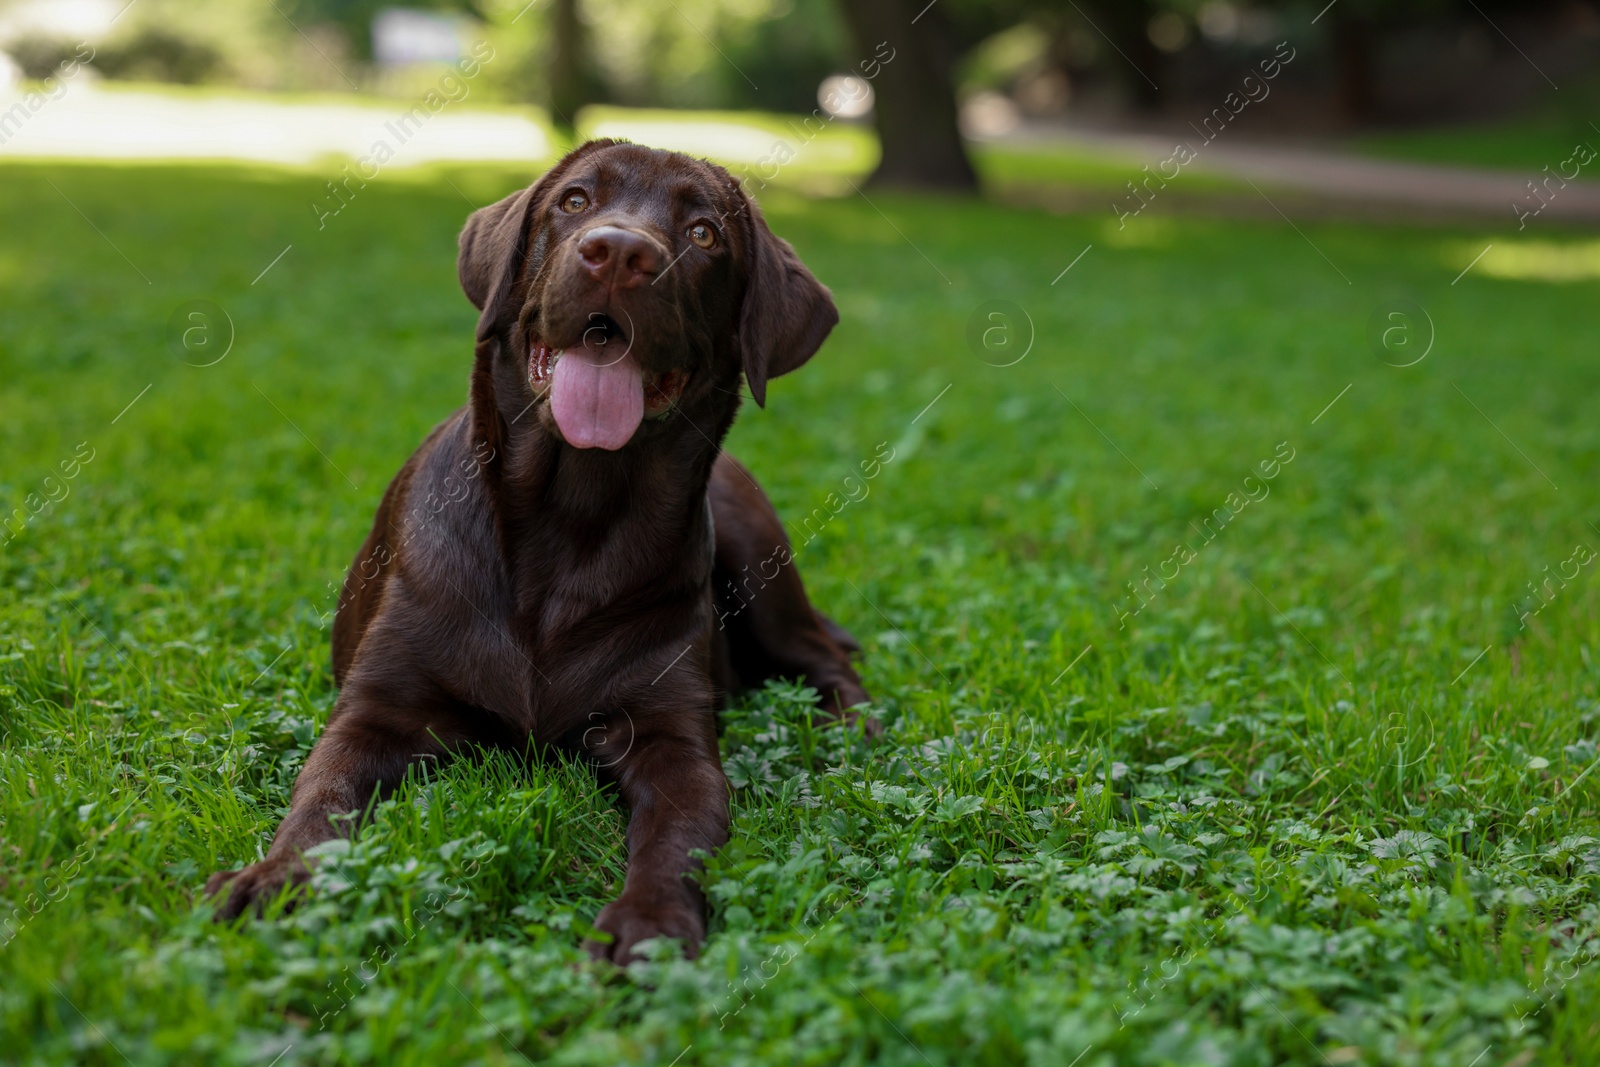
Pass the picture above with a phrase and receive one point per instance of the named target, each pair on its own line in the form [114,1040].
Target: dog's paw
[254,886]
[630,921]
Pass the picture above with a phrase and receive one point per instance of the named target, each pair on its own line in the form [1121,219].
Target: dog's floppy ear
[491,244]
[494,241]
[787,313]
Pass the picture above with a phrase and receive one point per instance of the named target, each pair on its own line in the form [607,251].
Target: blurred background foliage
[959,67]
[952,70]
[1373,61]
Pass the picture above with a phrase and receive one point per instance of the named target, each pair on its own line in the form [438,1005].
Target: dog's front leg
[670,775]
[363,753]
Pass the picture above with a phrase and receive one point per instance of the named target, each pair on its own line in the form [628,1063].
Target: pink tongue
[597,397]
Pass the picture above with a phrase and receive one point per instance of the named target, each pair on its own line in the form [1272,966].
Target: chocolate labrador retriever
[557,567]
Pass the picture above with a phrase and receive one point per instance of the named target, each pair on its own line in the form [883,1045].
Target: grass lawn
[1544,135]
[1325,799]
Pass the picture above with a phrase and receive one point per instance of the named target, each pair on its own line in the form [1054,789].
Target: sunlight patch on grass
[755,145]
[1540,261]
[1153,232]
[88,122]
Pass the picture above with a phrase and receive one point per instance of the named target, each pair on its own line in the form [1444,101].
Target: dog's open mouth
[599,392]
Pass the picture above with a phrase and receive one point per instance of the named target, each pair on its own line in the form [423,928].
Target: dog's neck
[545,485]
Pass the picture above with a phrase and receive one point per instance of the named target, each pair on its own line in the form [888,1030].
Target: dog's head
[630,280]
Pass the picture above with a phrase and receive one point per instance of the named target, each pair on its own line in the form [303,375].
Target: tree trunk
[915,109]
[1353,46]
[572,84]
[1126,23]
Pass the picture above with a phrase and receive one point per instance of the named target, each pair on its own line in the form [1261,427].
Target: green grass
[1529,146]
[1034,166]
[1287,815]
[1544,135]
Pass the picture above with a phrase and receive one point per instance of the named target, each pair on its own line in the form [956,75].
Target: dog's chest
[591,617]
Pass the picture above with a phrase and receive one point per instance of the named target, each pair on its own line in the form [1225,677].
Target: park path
[1343,178]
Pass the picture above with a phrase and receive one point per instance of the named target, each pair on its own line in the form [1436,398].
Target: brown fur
[522,593]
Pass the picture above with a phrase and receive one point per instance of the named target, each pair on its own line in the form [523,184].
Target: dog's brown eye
[703,235]
[574,202]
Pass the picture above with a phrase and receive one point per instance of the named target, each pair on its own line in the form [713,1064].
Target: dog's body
[541,572]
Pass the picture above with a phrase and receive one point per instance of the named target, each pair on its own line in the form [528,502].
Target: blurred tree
[915,109]
[572,78]
[1354,34]
[1125,24]
[1357,30]
[766,54]
[155,54]
[354,17]
[789,50]
[41,55]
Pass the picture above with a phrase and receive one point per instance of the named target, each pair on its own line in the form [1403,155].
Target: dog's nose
[618,258]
